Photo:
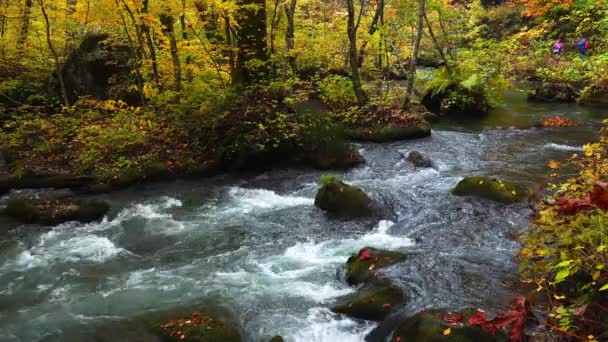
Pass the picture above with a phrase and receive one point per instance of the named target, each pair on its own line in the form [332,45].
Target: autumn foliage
[558,121]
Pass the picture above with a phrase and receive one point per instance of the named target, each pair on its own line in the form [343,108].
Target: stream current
[256,245]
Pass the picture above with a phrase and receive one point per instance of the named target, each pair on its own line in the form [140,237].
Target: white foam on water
[322,325]
[252,200]
[560,147]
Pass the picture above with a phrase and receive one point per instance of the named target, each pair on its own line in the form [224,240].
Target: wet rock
[490,188]
[277,339]
[419,159]
[330,157]
[200,326]
[553,92]
[361,266]
[457,101]
[389,133]
[41,180]
[372,303]
[594,95]
[55,211]
[429,326]
[342,200]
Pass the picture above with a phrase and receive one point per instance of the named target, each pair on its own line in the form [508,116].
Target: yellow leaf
[480,182]
[559,297]
[447,331]
[513,193]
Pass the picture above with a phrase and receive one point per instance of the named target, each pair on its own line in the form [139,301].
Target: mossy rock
[359,266]
[389,133]
[342,159]
[428,326]
[200,327]
[553,92]
[373,303]
[54,211]
[594,95]
[490,188]
[277,339]
[343,200]
[457,101]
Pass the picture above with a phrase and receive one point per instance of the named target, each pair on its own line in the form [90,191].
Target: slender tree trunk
[252,42]
[436,44]
[58,66]
[151,49]
[141,50]
[182,21]
[352,51]
[230,46]
[274,22]
[25,25]
[134,55]
[168,22]
[373,27]
[290,59]
[412,72]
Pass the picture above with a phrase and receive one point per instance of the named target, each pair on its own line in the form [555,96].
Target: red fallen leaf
[398,339]
[196,314]
[599,195]
[198,321]
[478,319]
[571,206]
[365,254]
[453,319]
[387,305]
[514,317]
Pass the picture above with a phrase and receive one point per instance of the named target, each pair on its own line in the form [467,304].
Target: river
[256,246]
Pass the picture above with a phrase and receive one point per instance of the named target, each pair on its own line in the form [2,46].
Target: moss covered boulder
[490,188]
[372,303]
[199,327]
[361,266]
[41,180]
[429,326]
[553,92]
[342,200]
[55,211]
[384,133]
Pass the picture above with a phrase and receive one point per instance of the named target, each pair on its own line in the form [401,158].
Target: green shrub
[337,92]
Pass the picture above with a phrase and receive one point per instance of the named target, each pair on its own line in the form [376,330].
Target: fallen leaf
[447,331]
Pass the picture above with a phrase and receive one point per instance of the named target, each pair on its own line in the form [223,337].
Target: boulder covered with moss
[52,211]
[197,326]
[385,133]
[41,180]
[553,92]
[372,303]
[342,200]
[431,326]
[490,188]
[458,101]
[361,266]
[594,95]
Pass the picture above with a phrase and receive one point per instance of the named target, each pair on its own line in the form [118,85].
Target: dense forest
[103,96]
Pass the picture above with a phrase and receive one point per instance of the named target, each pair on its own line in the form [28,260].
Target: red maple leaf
[599,195]
[365,254]
[514,317]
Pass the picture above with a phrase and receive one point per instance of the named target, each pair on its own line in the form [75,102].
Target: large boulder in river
[553,92]
[431,326]
[55,211]
[385,133]
[490,188]
[361,266]
[457,101]
[372,303]
[200,327]
[419,159]
[40,180]
[341,199]
[100,67]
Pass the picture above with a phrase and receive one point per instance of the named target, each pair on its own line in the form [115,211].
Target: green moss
[33,180]
[198,326]
[389,133]
[490,188]
[343,200]
[358,271]
[371,304]
[429,327]
[326,179]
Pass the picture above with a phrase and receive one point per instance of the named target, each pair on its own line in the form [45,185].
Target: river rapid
[256,246]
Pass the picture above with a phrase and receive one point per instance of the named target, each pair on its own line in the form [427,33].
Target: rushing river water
[256,245]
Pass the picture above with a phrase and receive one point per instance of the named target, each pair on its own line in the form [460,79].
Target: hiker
[583,46]
[558,48]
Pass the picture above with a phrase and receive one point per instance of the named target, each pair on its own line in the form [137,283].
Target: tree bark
[25,25]
[352,51]
[168,22]
[290,59]
[436,44]
[412,72]
[274,22]
[58,66]
[151,49]
[373,27]
[230,46]
[135,56]
[253,53]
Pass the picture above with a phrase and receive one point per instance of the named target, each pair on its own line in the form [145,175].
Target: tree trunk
[25,25]
[276,17]
[134,55]
[182,21]
[230,46]
[373,27]
[412,72]
[253,53]
[58,66]
[141,50]
[436,44]
[152,50]
[290,59]
[352,51]
[168,22]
